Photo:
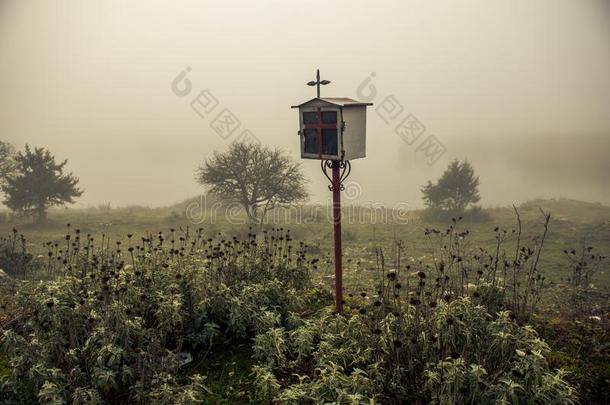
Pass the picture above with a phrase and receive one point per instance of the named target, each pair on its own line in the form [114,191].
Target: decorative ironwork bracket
[345,168]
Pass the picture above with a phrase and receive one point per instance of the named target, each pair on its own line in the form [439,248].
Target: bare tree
[255,176]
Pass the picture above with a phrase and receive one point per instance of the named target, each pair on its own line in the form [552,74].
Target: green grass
[5,368]
[228,375]
[572,222]
[228,371]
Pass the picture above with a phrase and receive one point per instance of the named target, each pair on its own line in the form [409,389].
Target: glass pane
[311,141]
[310,118]
[329,141]
[329,117]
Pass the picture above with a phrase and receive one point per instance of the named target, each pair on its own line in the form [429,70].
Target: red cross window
[320,133]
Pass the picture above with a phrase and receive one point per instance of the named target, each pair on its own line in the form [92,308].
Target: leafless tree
[257,177]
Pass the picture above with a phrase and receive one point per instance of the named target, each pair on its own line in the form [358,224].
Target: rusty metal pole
[336,188]
[340,171]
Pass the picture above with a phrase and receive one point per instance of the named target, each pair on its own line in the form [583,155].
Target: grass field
[365,230]
[370,236]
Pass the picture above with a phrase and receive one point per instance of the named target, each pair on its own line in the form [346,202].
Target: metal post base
[340,171]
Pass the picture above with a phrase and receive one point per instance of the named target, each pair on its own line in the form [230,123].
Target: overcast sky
[519,88]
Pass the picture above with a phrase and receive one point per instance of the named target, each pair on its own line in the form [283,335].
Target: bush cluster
[456,353]
[120,323]
[125,322]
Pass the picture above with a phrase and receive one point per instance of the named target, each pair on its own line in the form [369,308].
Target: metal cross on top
[318,125]
[318,82]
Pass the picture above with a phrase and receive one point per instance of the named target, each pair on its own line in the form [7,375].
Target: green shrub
[117,323]
[15,259]
[455,353]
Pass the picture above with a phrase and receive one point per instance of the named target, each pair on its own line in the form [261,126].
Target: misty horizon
[508,88]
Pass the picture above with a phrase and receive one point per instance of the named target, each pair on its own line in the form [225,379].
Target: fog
[520,89]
